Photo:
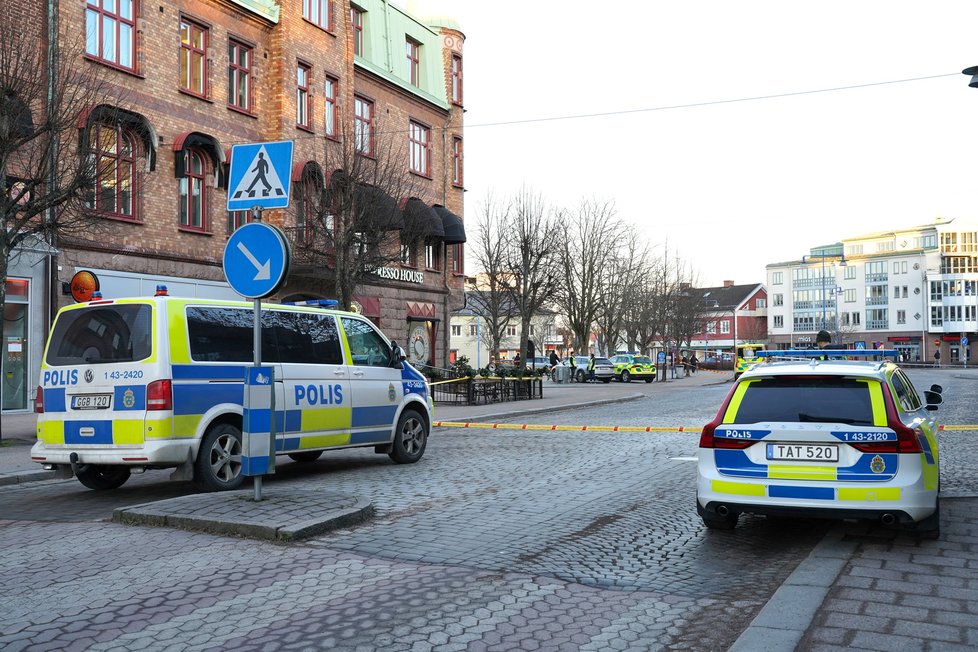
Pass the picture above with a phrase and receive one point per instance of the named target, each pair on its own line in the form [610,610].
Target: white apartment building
[913,289]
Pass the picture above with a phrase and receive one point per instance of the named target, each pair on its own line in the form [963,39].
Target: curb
[783,621]
[275,518]
[19,477]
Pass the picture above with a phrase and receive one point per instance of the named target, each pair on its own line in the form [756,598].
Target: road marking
[685,459]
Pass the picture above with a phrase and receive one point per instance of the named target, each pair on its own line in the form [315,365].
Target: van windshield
[101,335]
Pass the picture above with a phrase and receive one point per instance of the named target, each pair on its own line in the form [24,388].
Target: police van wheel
[626,377]
[218,465]
[410,438]
[306,456]
[102,478]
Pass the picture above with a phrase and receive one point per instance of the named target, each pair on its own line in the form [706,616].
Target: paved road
[496,540]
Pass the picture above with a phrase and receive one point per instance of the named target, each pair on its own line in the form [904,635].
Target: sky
[726,185]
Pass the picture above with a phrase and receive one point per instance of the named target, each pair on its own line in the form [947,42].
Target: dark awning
[136,122]
[206,143]
[379,208]
[422,221]
[454,229]
[373,209]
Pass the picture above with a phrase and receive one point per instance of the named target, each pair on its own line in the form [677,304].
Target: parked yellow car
[629,365]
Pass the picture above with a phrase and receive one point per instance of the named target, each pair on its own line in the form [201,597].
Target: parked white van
[157,382]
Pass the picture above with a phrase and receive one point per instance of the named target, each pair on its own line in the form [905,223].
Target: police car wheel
[626,377]
[306,456]
[218,465]
[648,380]
[717,522]
[580,376]
[102,478]
[410,438]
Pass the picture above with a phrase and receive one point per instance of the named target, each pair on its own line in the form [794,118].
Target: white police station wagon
[822,437]
[157,382]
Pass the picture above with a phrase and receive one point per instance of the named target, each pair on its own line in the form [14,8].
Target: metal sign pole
[256,213]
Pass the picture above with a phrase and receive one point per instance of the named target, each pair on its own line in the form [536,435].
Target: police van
[157,382]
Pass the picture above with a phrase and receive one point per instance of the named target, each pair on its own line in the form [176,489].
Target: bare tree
[530,258]
[44,179]
[621,278]
[684,304]
[585,250]
[360,214]
[492,294]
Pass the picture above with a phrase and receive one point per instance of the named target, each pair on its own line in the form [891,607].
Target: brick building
[191,79]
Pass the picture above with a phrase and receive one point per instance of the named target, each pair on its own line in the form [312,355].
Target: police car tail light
[907,437]
[39,400]
[708,438]
[159,395]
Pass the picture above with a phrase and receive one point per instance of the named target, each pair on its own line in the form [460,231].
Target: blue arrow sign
[964,341]
[260,175]
[256,260]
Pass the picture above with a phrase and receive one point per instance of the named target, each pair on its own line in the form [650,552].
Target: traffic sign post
[256,263]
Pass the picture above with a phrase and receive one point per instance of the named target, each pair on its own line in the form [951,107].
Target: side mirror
[933,399]
[937,388]
[397,355]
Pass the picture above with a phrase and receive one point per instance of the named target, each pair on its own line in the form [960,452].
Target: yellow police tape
[535,426]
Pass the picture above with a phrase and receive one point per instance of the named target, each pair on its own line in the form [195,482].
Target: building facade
[188,80]
[914,289]
[731,314]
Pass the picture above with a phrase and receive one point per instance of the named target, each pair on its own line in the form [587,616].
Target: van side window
[367,347]
[305,338]
[224,335]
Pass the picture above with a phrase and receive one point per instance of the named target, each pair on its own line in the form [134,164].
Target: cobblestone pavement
[497,540]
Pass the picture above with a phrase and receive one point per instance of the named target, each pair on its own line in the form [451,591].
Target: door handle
[358,373]
[339,372]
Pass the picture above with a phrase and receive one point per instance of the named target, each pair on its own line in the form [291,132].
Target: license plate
[91,401]
[803,452]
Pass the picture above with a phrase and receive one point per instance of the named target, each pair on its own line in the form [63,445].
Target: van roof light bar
[315,303]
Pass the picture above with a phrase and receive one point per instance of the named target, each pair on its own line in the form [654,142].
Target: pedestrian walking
[937,358]
[685,362]
[554,358]
[694,363]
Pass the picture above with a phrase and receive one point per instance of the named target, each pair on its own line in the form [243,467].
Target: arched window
[309,221]
[113,151]
[193,191]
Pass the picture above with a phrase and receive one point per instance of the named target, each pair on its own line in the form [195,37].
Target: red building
[187,80]
[731,315]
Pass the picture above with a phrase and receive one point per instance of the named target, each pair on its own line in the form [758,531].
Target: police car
[630,365]
[157,382]
[822,436]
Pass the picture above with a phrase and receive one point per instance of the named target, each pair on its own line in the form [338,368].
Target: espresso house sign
[398,274]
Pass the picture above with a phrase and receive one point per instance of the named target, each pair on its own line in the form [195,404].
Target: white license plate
[803,452]
[91,401]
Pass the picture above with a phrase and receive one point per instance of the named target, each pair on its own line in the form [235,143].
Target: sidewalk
[862,587]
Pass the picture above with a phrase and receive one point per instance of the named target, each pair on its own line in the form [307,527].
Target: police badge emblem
[877,465]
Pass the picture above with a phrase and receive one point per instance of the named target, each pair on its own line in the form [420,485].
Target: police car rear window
[220,334]
[807,399]
[101,335]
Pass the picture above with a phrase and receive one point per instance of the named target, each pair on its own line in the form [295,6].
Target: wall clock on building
[419,344]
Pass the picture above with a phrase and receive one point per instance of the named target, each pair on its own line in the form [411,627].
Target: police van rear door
[98,372]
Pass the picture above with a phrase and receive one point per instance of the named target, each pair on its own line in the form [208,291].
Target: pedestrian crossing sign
[260,175]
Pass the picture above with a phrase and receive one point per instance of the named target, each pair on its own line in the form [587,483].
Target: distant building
[912,289]
[731,314]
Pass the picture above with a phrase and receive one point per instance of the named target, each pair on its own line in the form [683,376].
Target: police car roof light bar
[316,303]
[819,353]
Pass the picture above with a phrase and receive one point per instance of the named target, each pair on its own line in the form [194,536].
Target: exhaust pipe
[723,510]
[888,519]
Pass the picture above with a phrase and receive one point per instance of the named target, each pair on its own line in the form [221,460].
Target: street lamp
[842,263]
